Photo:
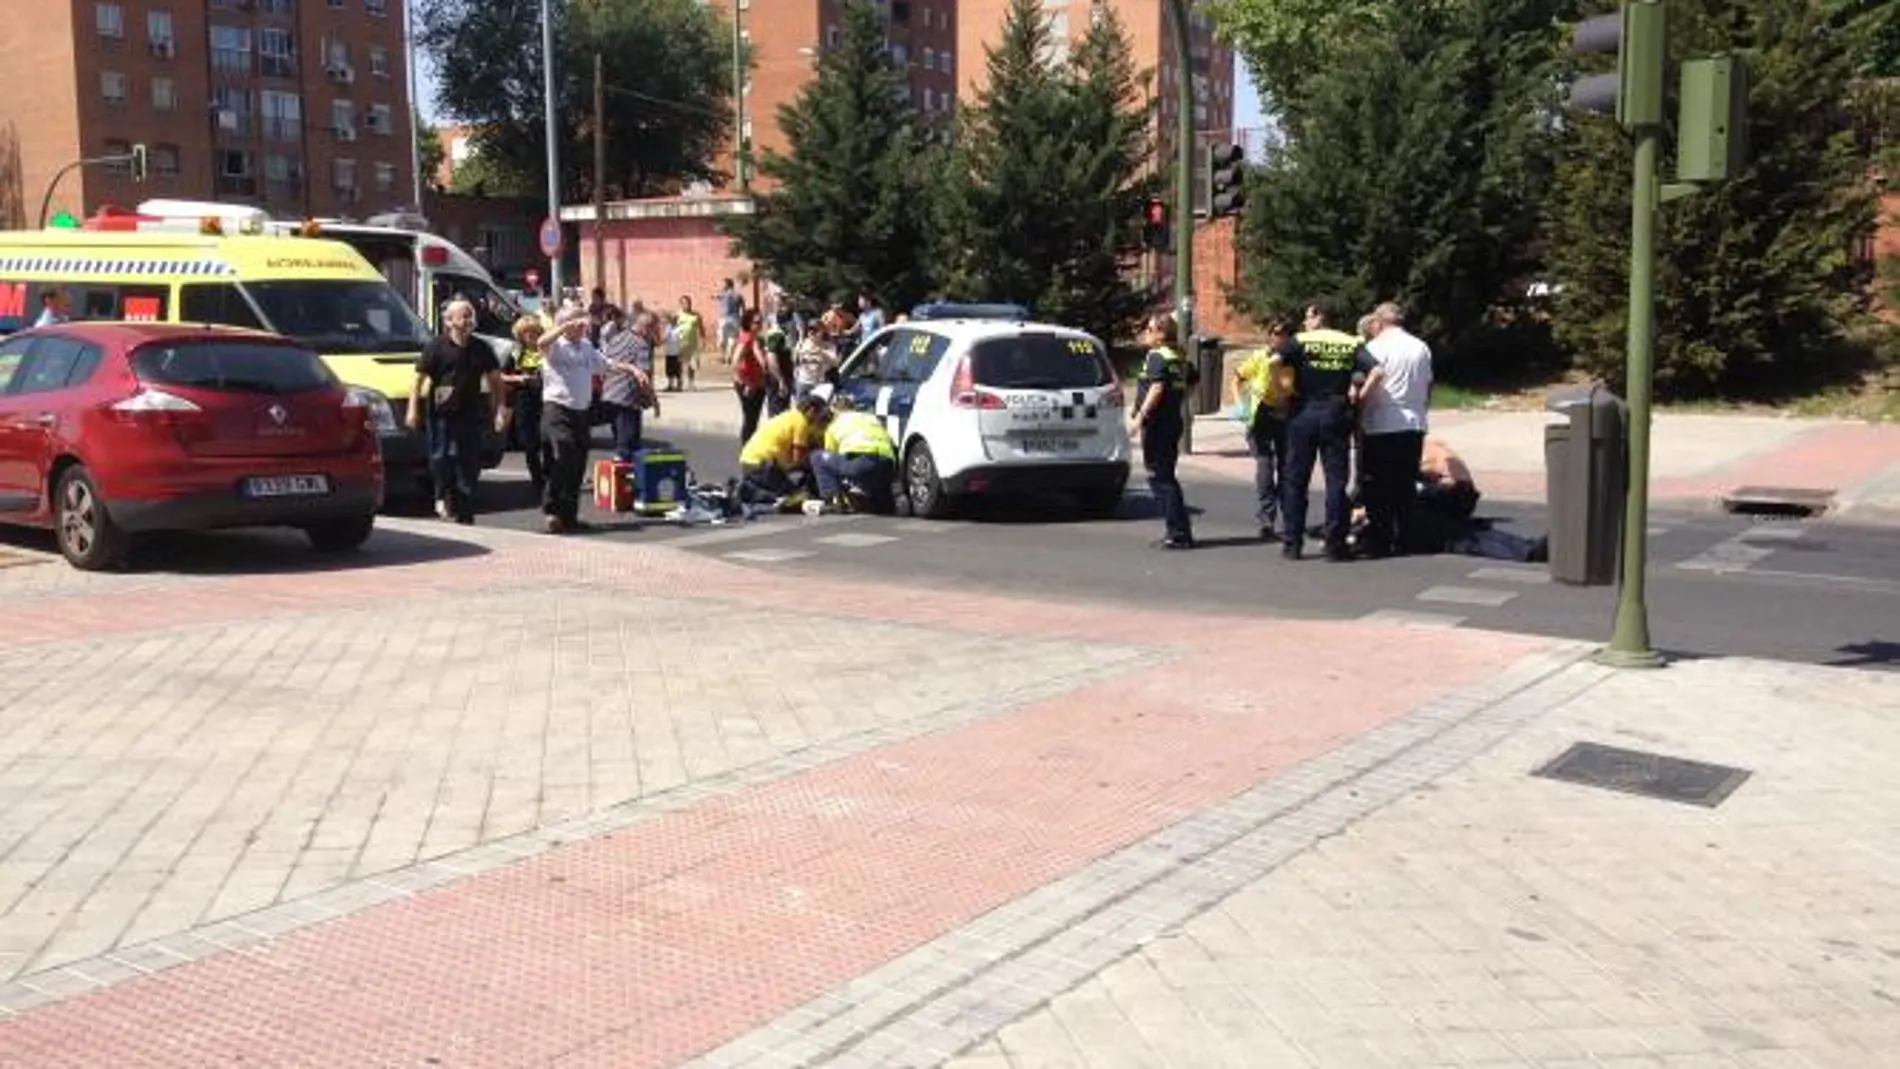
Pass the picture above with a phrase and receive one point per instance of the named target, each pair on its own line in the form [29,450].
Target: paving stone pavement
[160,780]
[1003,744]
[1490,918]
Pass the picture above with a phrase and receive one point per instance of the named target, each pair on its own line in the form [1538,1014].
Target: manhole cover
[1651,775]
[1777,501]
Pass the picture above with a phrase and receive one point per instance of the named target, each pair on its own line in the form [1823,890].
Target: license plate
[1047,446]
[287,486]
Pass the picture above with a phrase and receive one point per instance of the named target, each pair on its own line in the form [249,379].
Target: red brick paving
[651,945]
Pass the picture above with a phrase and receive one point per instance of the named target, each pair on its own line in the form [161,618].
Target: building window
[283,115]
[343,176]
[231,49]
[283,177]
[111,20]
[164,162]
[926,18]
[930,59]
[112,87]
[276,53]
[385,177]
[930,99]
[833,37]
[233,106]
[158,30]
[343,119]
[336,56]
[900,56]
[337,4]
[943,20]
[376,8]
[164,94]
[379,119]
[234,164]
[946,62]
[379,61]
[277,7]
[117,147]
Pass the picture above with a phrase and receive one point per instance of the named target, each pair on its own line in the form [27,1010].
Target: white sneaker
[441,508]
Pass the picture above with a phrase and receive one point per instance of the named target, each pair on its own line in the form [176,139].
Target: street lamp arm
[46,202]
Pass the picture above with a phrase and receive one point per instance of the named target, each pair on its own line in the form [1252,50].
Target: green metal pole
[1184,196]
[740,147]
[1629,643]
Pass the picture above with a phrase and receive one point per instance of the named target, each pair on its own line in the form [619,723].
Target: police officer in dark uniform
[1323,361]
[1156,422]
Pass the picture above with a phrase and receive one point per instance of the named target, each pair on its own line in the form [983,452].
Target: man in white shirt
[1393,406]
[569,363]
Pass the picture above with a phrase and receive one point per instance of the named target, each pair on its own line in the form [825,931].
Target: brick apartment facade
[297,106]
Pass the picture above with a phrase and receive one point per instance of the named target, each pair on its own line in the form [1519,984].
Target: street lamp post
[415,117]
[741,170]
[554,149]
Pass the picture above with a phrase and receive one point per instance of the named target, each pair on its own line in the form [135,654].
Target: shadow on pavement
[1871,654]
[1054,509]
[283,552]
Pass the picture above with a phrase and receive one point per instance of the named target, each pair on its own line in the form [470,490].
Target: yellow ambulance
[319,292]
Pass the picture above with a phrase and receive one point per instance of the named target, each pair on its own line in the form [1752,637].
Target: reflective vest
[1328,349]
[859,434]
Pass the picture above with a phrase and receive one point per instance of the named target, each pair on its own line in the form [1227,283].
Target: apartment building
[785,38]
[296,106]
[1151,39]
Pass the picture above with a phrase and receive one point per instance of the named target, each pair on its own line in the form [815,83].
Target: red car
[111,430]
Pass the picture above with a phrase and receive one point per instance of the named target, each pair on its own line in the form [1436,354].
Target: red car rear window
[238,367]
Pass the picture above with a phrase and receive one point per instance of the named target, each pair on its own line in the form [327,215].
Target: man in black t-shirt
[1323,361]
[455,370]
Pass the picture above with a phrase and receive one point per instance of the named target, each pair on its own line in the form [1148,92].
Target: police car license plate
[1047,445]
[287,486]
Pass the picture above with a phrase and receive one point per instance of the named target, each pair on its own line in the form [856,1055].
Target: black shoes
[1175,543]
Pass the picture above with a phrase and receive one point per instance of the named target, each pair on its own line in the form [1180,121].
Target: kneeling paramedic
[780,449]
[1324,362]
[1156,422]
[858,456]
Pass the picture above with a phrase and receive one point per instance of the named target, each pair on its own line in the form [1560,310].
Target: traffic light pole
[1184,198]
[1629,642]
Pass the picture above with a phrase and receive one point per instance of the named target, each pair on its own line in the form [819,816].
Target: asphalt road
[1810,591]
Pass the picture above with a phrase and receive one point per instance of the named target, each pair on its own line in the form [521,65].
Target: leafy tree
[847,209]
[667,67]
[1417,173]
[429,152]
[1289,43]
[480,176]
[1756,276]
[1046,206]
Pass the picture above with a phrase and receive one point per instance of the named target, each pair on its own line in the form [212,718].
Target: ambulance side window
[133,304]
[216,303]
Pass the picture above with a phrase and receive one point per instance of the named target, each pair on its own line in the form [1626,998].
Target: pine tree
[1756,279]
[850,211]
[1045,204]
[1416,175]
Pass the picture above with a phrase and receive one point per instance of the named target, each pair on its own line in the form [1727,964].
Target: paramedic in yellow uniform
[780,449]
[1265,385]
[858,456]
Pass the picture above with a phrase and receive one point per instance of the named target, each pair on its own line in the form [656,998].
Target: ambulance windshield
[340,318]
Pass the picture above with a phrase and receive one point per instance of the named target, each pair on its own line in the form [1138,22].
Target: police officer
[1156,422]
[858,458]
[1323,361]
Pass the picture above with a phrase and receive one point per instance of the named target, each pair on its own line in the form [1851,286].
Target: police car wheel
[921,484]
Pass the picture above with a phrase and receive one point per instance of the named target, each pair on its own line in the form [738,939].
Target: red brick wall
[1215,273]
[658,260]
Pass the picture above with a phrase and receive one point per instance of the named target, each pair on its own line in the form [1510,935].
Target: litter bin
[1207,355]
[1585,469]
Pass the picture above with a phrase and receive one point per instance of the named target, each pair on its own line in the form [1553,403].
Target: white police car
[993,405]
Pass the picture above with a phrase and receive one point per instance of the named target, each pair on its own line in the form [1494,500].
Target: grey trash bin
[1207,355]
[1585,468]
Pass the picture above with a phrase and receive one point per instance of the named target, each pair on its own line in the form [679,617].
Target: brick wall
[658,260]
[1215,273]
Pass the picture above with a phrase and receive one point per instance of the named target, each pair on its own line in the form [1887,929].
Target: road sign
[551,238]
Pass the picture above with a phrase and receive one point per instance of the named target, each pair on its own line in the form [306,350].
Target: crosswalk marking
[855,541]
[1412,619]
[769,555]
[1531,576]
[1467,595]
[757,529]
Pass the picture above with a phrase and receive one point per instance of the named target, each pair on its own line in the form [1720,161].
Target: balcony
[237,185]
[278,66]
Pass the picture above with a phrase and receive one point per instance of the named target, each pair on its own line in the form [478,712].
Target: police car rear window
[236,367]
[1039,362]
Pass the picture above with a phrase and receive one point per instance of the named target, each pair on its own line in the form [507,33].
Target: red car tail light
[155,408]
[964,392]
